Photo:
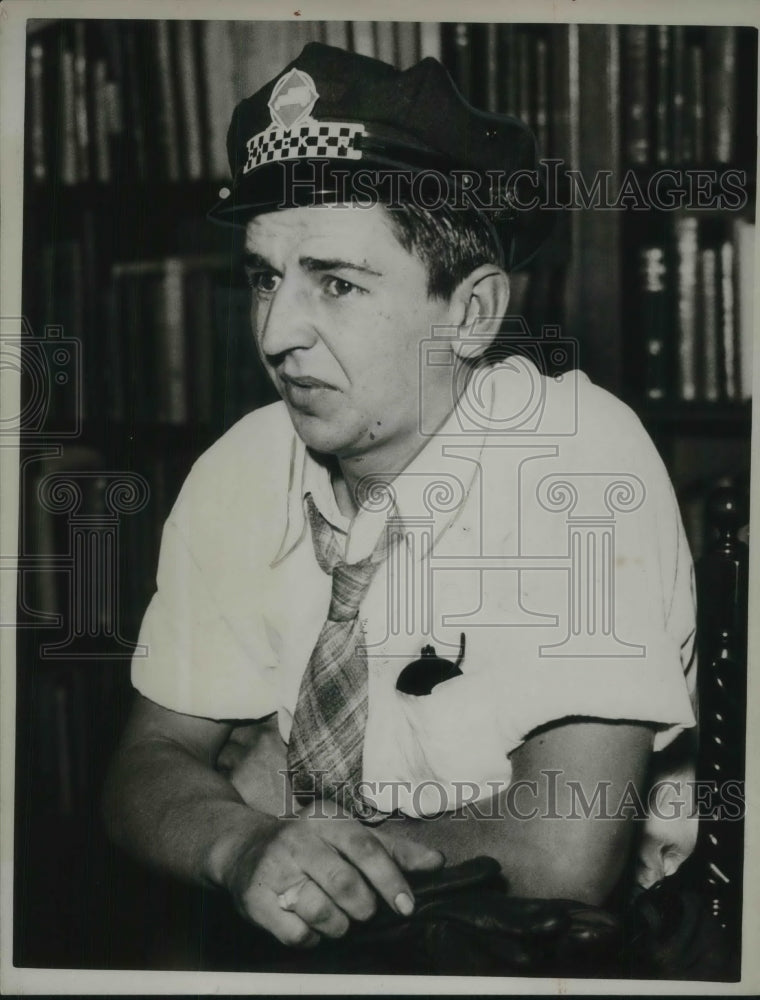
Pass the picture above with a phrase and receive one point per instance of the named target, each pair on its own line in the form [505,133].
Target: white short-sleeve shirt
[538,522]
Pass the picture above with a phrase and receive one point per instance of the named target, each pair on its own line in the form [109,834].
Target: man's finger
[411,856]
[338,877]
[318,911]
[289,928]
[366,853]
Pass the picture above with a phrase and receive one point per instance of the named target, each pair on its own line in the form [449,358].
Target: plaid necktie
[327,737]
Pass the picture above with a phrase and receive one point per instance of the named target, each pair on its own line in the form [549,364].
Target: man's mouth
[304,382]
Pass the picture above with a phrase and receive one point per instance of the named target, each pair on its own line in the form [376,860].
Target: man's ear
[479,304]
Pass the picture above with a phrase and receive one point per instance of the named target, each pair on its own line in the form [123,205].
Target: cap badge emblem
[293,97]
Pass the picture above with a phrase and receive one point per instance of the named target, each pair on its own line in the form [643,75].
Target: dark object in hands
[421,676]
[465,923]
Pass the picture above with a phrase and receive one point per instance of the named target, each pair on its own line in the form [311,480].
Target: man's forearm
[174,812]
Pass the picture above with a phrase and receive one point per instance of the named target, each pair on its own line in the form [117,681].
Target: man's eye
[263,282]
[338,288]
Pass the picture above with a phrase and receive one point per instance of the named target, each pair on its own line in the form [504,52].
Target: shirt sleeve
[617,523]
[194,655]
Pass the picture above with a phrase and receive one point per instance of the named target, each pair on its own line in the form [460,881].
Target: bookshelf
[125,152]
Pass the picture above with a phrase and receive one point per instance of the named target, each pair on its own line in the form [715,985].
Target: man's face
[339,309]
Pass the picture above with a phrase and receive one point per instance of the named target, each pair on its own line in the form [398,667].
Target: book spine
[217,62]
[662,137]
[721,93]
[708,289]
[430,40]
[36,113]
[81,121]
[492,68]
[407,43]
[507,69]
[542,94]
[189,98]
[727,316]
[655,320]
[463,59]
[167,103]
[363,38]
[101,114]
[336,33]
[677,84]
[695,107]
[171,334]
[385,43]
[134,70]
[687,255]
[746,292]
[635,74]
[67,112]
[525,79]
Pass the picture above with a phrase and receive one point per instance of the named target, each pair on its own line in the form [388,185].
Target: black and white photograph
[375,433]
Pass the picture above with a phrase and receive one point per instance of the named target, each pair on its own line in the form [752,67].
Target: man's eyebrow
[336,264]
[256,260]
[251,259]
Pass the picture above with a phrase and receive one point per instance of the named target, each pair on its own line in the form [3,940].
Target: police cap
[335,125]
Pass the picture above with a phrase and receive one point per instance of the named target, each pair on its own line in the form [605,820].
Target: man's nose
[288,323]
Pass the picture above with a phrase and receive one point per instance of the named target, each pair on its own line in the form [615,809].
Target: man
[462,586]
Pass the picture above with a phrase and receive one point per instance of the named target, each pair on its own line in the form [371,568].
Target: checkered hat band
[332,140]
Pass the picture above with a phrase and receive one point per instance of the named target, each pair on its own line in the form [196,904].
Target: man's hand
[318,873]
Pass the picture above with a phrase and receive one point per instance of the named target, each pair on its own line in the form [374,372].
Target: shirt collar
[424,490]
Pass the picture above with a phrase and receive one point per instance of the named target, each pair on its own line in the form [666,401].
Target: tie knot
[350,581]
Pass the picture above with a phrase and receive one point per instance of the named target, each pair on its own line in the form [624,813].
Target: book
[66,113]
[188,89]
[336,33]
[709,387]
[662,137]
[135,106]
[217,74]
[492,95]
[463,68]
[166,103]
[385,42]
[694,118]
[507,58]
[430,40]
[81,116]
[35,114]
[406,43]
[744,240]
[172,371]
[363,38]
[525,89]
[100,123]
[542,95]
[720,93]
[677,90]
[727,332]
[635,79]
[687,256]
[655,319]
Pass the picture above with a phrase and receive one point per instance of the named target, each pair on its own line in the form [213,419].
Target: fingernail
[404,903]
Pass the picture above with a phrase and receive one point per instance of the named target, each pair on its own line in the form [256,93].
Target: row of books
[151,100]
[92,568]
[679,94]
[695,294]
[151,341]
[179,348]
